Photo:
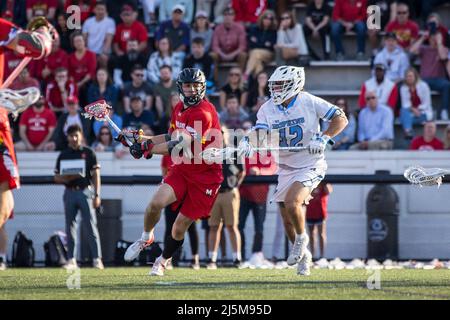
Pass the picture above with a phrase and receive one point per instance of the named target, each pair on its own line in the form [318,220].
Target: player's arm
[148,148]
[337,124]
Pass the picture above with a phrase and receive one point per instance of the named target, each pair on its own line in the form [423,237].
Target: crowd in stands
[129,52]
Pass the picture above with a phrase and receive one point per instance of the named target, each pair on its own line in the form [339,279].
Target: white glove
[318,143]
[245,148]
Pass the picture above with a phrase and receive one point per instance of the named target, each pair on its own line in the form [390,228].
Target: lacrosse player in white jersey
[294,116]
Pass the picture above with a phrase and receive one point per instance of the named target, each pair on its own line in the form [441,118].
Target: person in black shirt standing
[226,210]
[77,168]
[317,23]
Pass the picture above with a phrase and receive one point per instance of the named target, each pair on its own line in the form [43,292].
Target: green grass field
[134,283]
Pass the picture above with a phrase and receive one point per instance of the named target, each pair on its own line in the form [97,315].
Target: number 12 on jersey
[295,136]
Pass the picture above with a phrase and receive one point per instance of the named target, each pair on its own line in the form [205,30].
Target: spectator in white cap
[202,29]
[168,7]
[177,31]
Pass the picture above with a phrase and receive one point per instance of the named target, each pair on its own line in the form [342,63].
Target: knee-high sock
[171,246]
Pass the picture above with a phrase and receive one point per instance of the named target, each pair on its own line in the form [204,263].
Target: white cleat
[135,249]
[159,267]
[71,265]
[98,264]
[304,265]
[298,249]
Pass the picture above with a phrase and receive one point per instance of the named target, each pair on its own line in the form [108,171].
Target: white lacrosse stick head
[99,110]
[16,101]
[425,177]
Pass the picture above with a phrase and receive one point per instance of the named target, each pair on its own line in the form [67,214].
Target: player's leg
[164,196]
[231,220]
[3,247]
[170,216]
[6,202]
[322,231]
[181,225]
[215,232]
[244,210]
[193,240]
[294,200]
[312,237]
[288,226]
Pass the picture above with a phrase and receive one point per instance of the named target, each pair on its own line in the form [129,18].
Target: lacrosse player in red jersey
[35,43]
[191,186]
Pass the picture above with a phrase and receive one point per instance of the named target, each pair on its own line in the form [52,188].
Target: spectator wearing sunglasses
[291,43]
[375,126]
[406,30]
[137,87]
[105,143]
[261,40]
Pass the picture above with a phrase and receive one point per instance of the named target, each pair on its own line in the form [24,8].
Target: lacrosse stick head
[98,110]
[424,177]
[16,101]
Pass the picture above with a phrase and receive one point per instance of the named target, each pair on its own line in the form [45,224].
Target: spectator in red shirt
[405,29]
[129,29]
[11,61]
[229,42]
[316,215]
[427,142]
[86,7]
[45,8]
[58,90]
[24,80]
[36,128]
[349,15]
[82,65]
[248,11]
[44,69]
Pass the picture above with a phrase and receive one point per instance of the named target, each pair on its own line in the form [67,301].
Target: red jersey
[136,31]
[318,205]
[257,193]
[53,94]
[202,123]
[166,162]
[350,10]
[38,124]
[7,32]
[248,10]
[406,33]
[56,59]
[12,60]
[78,69]
[419,143]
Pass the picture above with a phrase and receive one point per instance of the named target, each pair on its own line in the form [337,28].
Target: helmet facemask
[285,82]
[198,93]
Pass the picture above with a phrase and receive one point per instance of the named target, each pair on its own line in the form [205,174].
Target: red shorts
[8,170]
[195,199]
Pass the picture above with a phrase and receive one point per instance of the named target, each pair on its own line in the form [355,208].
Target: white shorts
[310,177]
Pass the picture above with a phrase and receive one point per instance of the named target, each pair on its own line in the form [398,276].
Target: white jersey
[295,126]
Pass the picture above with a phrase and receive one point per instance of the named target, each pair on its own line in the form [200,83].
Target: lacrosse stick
[99,110]
[217,154]
[425,177]
[16,101]
[15,72]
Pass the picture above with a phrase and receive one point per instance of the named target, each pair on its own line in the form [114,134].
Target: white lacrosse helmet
[285,82]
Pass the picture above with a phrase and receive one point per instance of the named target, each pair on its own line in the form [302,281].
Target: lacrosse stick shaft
[15,73]
[117,129]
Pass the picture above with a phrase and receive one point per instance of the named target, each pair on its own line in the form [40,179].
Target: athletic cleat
[2,265]
[135,249]
[71,264]
[304,265]
[211,265]
[98,264]
[159,267]
[298,249]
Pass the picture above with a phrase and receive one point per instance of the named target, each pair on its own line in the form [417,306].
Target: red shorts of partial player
[8,164]
[195,198]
